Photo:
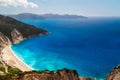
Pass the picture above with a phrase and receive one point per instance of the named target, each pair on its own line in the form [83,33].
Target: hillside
[7,24]
[64,74]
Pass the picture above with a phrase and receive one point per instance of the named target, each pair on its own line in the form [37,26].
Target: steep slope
[114,74]
[4,41]
[47,75]
[7,24]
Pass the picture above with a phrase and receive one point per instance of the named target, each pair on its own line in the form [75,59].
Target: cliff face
[13,31]
[4,41]
[16,36]
[114,74]
[62,75]
[59,75]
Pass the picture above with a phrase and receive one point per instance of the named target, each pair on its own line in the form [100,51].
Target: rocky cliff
[13,31]
[16,36]
[114,74]
[48,75]
[4,41]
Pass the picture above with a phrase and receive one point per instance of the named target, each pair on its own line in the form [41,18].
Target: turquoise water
[90,46]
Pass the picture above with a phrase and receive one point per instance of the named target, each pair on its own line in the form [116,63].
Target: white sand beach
[13,60]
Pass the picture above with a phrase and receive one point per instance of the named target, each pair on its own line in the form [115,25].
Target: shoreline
[19,58]
[9,57]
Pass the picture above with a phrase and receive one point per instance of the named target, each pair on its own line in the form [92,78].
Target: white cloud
[14,3]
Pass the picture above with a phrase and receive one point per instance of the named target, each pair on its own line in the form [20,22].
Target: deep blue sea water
[90,46]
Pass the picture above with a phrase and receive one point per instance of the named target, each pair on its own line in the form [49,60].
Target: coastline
[9,57]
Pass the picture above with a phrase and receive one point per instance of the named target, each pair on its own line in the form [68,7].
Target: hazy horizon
[62,14]
[78,7]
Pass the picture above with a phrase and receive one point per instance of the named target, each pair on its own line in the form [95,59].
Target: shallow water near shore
[90,46]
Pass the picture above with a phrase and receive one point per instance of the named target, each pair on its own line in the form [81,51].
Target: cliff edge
[4,41]
[16,30]
[47,75]
[114,74]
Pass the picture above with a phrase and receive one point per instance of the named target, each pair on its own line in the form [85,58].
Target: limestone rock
[59,75]
[114,74]
[16,36]
[4,41]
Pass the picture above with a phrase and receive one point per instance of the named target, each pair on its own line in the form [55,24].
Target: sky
[78,7]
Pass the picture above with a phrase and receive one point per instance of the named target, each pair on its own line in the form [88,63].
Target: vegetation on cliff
[15,74]
[7,24]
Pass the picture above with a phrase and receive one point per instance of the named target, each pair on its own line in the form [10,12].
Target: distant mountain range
[45,16]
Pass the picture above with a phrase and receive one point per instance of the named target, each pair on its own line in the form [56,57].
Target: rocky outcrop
[16,36]
[114,74]
[4,41]
[46,75]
